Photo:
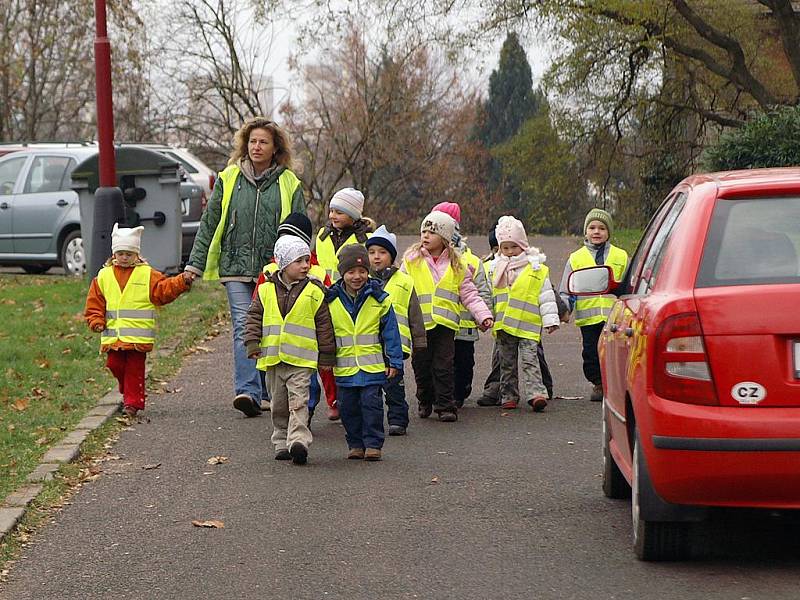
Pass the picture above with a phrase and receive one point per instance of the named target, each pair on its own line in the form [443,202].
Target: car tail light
[212,179]
[203,201]
[681,370]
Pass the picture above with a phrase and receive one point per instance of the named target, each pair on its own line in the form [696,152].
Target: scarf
[506,268]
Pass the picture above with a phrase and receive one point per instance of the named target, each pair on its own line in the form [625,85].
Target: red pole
[105,109]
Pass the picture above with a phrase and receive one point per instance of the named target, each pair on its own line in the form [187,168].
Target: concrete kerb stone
[14,506]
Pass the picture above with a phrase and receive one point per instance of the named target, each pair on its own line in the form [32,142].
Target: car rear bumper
[724,456]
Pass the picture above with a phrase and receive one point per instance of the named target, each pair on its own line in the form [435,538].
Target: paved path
[494,506]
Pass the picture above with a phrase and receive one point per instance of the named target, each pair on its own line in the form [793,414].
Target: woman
[237,233]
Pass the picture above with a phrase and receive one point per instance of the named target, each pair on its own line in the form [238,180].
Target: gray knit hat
[349,201]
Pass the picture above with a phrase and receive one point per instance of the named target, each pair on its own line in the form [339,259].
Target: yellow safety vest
[130,314]
[358,345]
[467,321]
[440,302]
[594,309]
[517,307]
[316,271]
[288,183]
[327,256]
[399,287]
[291,339]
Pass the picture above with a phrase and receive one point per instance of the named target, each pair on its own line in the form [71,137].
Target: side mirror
[591,281]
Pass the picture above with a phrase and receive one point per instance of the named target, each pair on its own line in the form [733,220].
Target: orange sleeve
[164,290]
[95,310]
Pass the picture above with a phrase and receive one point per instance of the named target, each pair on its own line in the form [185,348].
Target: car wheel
[35,269]
[653,540]
[614,483]
[72,256]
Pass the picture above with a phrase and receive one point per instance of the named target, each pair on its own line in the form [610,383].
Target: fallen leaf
[41,441]
[208,472]
[216,460]
[435,479]
[150,467]
[45,364]
[505,414]
[203,349]
[39,392]
[66,351]
[571,443]
[20,405]
[213,524]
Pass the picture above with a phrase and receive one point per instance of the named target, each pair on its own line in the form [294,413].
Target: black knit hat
[298,225]
[351,256]
[492,238]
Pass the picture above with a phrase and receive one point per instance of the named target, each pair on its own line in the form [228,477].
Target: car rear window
[186,165]
[752,242]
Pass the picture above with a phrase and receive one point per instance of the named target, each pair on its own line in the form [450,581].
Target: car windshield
[752,242]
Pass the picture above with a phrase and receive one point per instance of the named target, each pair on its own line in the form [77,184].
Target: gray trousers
[520,373]
[288,386]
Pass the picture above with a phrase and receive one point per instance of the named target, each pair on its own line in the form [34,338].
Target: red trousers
[128,367]
[329,384]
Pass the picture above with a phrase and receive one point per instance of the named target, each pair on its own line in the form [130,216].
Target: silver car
[39,212]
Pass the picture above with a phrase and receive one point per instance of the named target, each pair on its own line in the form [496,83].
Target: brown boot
[355,454]
[597,393]
[372,454]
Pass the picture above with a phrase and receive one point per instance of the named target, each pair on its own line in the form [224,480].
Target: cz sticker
[748,392]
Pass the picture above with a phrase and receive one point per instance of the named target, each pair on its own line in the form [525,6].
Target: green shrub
[769,140]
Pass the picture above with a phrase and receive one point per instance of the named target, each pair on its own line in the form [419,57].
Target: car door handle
[629,331]
[613,328]
[4,205]
[62,202]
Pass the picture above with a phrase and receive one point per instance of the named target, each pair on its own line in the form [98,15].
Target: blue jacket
[389,332]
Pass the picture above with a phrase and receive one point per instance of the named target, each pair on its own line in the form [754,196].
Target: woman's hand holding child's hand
[391,372]
[486,325]
[188,278]
[551,329]
[254,355]
[99,327]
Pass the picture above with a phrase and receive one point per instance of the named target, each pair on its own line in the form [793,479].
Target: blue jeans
[397,407]
[246,378]
[313,392]
[361,411]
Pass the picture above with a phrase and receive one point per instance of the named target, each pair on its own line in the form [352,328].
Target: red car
[701,357]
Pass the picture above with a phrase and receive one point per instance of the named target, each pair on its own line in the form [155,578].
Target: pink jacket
[467,292]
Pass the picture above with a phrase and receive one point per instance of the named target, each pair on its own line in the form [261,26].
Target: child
[345,226]
[367,338]
[443,284]
[121,304]
[591,312]
[299,225]
[382,248]
[524,303]
[467,334]
[289,331]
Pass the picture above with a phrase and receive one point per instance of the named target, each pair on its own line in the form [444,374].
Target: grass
[52,373]
[627,239]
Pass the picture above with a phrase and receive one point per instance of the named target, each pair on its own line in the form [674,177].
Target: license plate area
[796,353]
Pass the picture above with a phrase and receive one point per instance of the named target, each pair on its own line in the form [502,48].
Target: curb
[13,508]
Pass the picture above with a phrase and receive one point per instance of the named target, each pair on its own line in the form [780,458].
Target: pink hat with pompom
[510,229]
[449,208]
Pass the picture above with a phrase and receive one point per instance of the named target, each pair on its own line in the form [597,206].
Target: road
[498,505]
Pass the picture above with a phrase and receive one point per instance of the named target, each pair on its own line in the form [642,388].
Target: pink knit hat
[449,208]
[510,229]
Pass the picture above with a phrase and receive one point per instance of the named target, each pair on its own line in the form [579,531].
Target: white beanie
[123,238]
[349,201]
[288,249]
[441,224]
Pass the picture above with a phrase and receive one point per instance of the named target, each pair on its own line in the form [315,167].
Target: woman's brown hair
[283,146]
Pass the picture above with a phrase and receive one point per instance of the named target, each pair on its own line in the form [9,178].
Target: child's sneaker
[283,455]
[509,405]
[448,416]
[488,401]
[538,403]
[597,393]
[130,411]
[355,454]
[397,430]
[247,405]
[424,411]
[333,413]
[372,454]
[299,453]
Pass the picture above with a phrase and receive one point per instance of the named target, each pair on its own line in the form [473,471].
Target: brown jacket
[326,340]
[163,290]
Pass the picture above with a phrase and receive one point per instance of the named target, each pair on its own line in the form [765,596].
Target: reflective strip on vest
[400,287]
[287,183]
[440,302]
[358,346]
[291,339]
[518,306]
[130,314]
[590,310]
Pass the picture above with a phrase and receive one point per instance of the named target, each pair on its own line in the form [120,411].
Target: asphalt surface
[498,505]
